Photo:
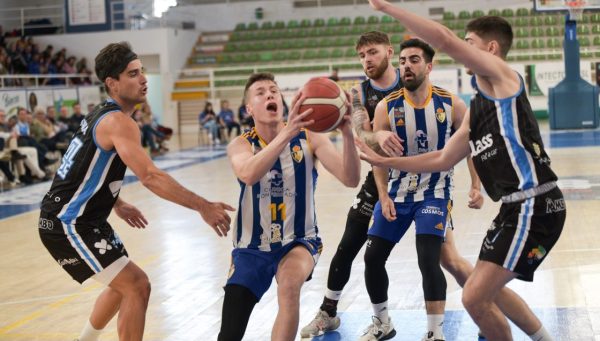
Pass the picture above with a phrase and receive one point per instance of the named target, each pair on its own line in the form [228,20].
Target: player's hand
[295,119]
[345,125]
[377,4]
[131,215]
[390,143]
[367,154]
[215,215]
[388,209]
[475,199]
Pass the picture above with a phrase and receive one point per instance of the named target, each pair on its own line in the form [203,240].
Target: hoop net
[575,8]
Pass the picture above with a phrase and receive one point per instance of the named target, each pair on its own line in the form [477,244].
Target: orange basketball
[327,100]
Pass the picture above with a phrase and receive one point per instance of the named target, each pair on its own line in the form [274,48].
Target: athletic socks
[381,312]
[435,324]
[541,335]
[89,333]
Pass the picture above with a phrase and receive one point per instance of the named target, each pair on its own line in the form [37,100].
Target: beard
[414,83]
[379,69]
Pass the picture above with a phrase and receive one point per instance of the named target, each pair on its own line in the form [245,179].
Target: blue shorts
[430,217]
[255,269]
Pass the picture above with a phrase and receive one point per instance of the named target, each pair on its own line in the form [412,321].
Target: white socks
[89,333]
[333,295]
[435,323]
[541,335]
[381,312]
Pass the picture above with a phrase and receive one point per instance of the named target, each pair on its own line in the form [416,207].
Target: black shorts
[83,249]
[524,232]
[364,203]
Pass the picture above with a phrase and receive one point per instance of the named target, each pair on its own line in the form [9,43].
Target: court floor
[188,263]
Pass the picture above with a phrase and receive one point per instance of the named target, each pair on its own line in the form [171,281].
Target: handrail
[38,77]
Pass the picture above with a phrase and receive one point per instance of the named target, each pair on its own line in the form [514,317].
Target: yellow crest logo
[440,115]
[400,123]
[297,154]
[439,226]
[536,149]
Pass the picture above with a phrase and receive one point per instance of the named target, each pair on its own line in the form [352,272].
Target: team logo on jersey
[297,154]
[373,100]
[413,180]
[115,187]
[399,116]
[275,233]
[103,246]
[275,178]
[536,254]
[84,126]
[536,149]
[440,115]
[422,141]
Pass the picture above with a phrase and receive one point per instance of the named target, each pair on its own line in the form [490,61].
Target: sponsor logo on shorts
[536,254]
[432,210]
[555,205]
[440,226]
[46,224]
[355,203]
[490,239]
[68,261]
[103,246]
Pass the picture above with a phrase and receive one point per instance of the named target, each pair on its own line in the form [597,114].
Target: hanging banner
[88,95]
[10,101]
[39,98]
[547,75]
[66,97]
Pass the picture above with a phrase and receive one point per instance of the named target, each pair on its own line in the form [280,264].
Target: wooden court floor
[188,263]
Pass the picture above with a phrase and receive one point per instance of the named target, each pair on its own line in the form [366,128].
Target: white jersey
[280,207]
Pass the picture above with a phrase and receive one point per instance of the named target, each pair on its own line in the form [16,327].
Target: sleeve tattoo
[359,118]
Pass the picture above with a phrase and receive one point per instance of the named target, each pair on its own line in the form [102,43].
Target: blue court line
[565,324]
[181,159]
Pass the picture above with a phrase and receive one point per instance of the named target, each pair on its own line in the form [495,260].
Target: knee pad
[428,253]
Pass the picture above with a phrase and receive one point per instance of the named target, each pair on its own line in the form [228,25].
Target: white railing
[18,17]
[19,81]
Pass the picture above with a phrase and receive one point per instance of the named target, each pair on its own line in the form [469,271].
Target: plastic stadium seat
[552,31]
[386,19]
[311,43]
[350,52]
[286,44]
[537,32]
[337,53]
[536,21]
[332,21]
[449,24]
[522,32]
[449,16]
[397,28]
[464,15]
[348,41]
[293,24]
[345,21]
[477,14]
[238,58]
[279,25]
[280,55]
[298,43]
[553,43]
[387,28]
[373,19]
[356,30]
[294,55]
[538,44]
[595,18]
[521,22]
[265,56]
[267,25]
[396,39]
[326,42]
[507,12]
[583,30]
[494,12]
[253,26]
[313,32]
[309,54]
[271,45]
[460,24]
[319,22]
[359,21]
[522,44]
[596,29]
[584,42]
[323,54]
[596,41]
[305,23]
[240,27]
[522,12]
[551,20]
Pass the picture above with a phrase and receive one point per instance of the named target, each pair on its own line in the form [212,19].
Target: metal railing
[24,18]
[21,80]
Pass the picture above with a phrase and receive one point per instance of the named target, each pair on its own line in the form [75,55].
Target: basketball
[327,100]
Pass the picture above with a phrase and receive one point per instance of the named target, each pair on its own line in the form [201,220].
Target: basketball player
[375,53]
[73,220]
[501,134]
[275,232]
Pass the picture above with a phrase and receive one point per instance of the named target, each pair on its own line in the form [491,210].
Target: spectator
[244,117]
[208,120]
[76,118]
[90,107]
[227,118]
[334,75]
[34,66]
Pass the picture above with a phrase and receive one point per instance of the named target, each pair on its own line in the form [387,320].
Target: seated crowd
[220,127]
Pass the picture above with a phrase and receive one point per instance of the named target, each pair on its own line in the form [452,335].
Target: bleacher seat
[305,23]
[522,12]
[536,21]
[240,27]
[386,19]
[522,44]
[537,32]
[253,26]
[267,25]
[359,21]
[552,31]
[293,24]
[494,12]
[553,43]
[538,44]
[345,21]
[522,32]
[477,13]
[583,30]
[464,15]
[337,53]
[319,22]
[507,12]
[280,25]
[521,22]
[449,16]
[551,20]
[584,41]
[333,21]
[373,19]
[350,52]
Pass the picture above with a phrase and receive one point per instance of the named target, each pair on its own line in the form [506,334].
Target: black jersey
[506,146]
[372,95]
[88,181]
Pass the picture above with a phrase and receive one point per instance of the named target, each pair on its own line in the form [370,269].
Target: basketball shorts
[430,217]
[523,233]
[85,249]
[255,269]
[364,202]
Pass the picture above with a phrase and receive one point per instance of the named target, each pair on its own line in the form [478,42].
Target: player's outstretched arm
[121,132]
[250,167]
[345,167]
[456,149]
[440,37]
[130,214]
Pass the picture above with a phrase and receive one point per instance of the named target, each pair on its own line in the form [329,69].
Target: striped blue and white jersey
[280,207]
[88,181]
[422,129]
[506,147]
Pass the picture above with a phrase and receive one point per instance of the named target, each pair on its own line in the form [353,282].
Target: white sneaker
[379,330]
[320,324]
[429,337]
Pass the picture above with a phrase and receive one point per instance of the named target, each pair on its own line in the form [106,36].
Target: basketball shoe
[320,324]
[429,337]
[379,330]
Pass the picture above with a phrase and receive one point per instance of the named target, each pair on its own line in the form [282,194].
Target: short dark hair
[257,77]
[372,38]
[113,59]
[493,28]
[428,51]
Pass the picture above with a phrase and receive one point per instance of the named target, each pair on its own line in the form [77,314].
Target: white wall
[170,45]
[224,17]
